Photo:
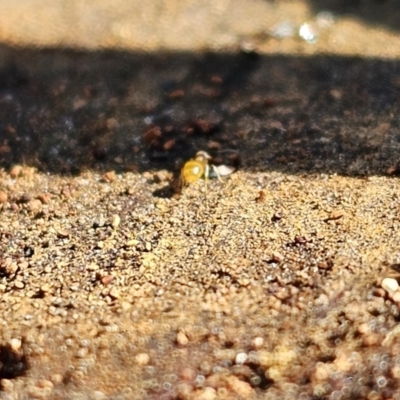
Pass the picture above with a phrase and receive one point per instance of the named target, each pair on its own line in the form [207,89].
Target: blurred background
[193,25]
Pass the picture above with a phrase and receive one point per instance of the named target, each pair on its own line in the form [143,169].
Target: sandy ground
[280,282]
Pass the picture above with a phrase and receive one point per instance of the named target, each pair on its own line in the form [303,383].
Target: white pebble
[15,344]
[97,395]
[240,358]
[390,285]
[258,341]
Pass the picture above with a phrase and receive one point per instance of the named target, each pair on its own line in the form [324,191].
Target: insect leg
[216,172]
[206,175]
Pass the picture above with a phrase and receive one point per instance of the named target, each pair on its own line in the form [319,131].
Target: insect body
[196,168]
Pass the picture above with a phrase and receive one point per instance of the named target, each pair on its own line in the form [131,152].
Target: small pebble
[177,94]
[7,385]
[396,297]
[15,171]
[258,342]
[45,287]
[182,339]
[109,176]
[19,285]
[277,257]
[25,198]
[161,176]
[240,358]
[63,233]
[188,374]
[35,206]
[168,145]
[15,344]
[45,383]
[105,280]
[396,372]
[116,220]
[142,359]
[207,393]
[3,197]
[98,395]
[44,198]
[335,214]
[56,379]
[390,285]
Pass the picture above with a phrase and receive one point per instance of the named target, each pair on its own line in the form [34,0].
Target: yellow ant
[196,168]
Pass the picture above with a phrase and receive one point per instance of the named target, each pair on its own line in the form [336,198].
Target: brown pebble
[16,171]
[177,94]
[109,176]
[188,374]
[3,197]
[334,215]
[277,216]
[152,135]
[25,198]
[300,240]
[379,292]
[277,257]
[4,149]
[105,280]
[44,198]
[323,265]
[169,144]
[66,191]
[260,197]
[213,145]
[216,79]
[269,102]
[63,233]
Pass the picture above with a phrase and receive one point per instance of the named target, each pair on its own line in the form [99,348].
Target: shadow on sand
[64,111]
